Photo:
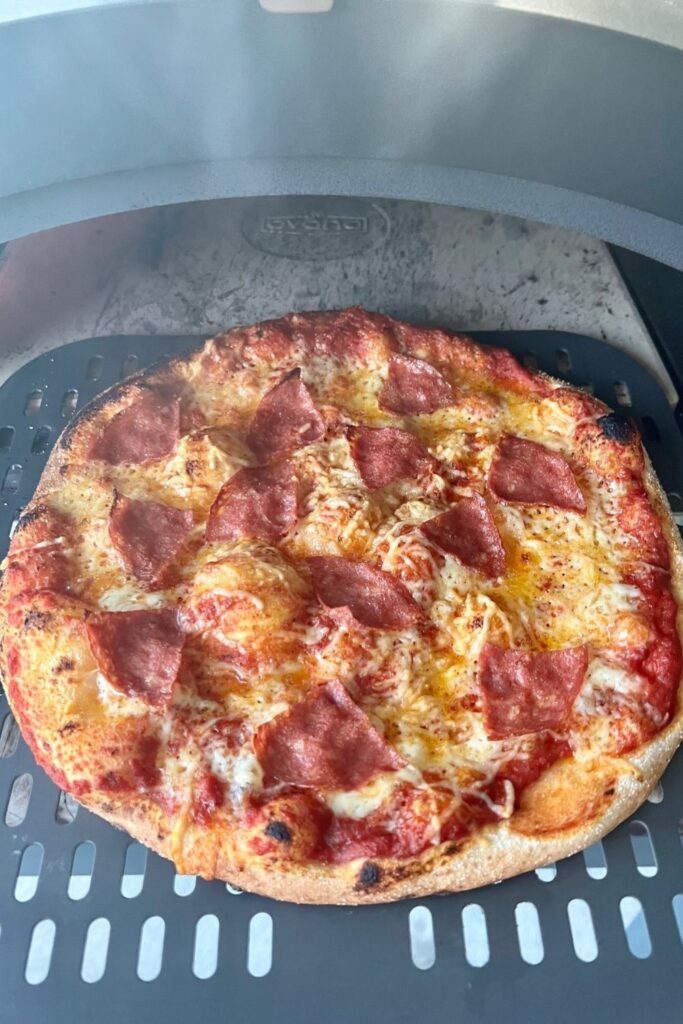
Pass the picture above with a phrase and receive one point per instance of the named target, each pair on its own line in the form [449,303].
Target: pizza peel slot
[205,952]
[40,949]
[582,930]
[151,948]
[475,935]
[635,926]
[95,950]
[28,875]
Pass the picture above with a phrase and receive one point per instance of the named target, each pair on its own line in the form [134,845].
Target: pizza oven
[511,169]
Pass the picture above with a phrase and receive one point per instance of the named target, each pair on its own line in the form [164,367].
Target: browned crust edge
[495,853]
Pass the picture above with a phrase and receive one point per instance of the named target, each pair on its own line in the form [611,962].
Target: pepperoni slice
[527,691]
[468,531]
[138,652]
[375,598]
[259,502]
[324,741]
[148,536]
[414,386]
[531,474]
[145,430]
[386,454]
[286,418]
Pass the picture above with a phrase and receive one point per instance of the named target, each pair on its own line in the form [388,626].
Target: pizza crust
[543,830]
[491,855]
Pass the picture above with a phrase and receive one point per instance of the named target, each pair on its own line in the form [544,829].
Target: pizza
[343,610]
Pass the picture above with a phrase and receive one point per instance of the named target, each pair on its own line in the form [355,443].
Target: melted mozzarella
[242,772]
[359,803]
[115,702]
[128,597]
[603,681]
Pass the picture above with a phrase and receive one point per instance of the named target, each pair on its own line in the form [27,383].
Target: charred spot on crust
[401,871]
[67,728]
[279,831]
[191,466]
[616,427]
[369,875]
[610,791]
[451,849]
[36,620]
[65,665]
[30,517]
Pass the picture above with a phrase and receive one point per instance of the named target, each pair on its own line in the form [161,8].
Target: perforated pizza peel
[92,927]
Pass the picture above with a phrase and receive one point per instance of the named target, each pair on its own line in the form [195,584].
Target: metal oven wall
[117,106]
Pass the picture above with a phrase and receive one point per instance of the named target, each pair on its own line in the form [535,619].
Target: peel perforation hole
[41,440]
[529,933]
[93,370]
[582,930]
[594,859]
[233,890]
[548,873]
[676,503]
[6,439]
[184,885]
[134,867]
[12,478]
[82,868]
[40,952]
[9,736]
[635,927]
[657,794]
[650,429]
[129,365]
[260,945]
[622,393]
[677,906]
[66,809]
[421,928]
[19,799]
[151,948]
[643,849]
[563,360]
[33,403]
[69,403]
[28,876]
[475,935]
[95,950]
[205,953]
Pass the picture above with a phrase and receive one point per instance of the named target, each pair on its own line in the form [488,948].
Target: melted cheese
[128,597]
[359,803]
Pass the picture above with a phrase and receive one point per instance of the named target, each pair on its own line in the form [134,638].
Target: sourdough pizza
[344,610]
